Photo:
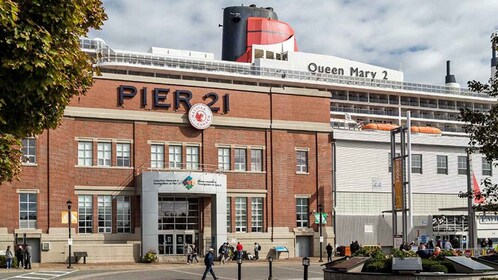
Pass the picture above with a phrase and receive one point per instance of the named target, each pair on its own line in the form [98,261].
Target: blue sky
[416,36]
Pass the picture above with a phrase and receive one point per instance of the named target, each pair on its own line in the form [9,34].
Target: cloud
[420,35]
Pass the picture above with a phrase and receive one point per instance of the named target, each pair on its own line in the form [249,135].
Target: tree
[482,128]
[42,68]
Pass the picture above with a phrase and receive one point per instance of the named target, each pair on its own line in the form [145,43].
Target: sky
[414,36]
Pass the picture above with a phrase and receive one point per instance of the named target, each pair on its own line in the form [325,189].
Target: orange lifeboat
[379,126]
[425,129]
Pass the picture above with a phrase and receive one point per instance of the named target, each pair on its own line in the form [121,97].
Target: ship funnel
[494,62]
[450,79]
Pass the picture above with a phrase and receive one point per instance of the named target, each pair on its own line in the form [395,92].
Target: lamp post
[321,236]
[69,241]
[270,260]
[239,264]
[306,263]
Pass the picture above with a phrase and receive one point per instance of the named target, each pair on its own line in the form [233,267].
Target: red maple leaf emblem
[199,116]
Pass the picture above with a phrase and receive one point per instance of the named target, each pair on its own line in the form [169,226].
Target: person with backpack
[222,251]
[209,263]
[257,248]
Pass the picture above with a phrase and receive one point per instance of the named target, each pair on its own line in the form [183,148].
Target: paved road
[288,270]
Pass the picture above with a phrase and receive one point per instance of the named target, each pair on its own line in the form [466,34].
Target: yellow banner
[398,183]
[74,217]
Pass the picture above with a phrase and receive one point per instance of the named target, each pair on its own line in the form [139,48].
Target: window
[302,216]
[85,214]
[240,159]
[85,153]
[257,214]
[104,154]
[256,160]
[104,213]
[175,157]
[486,168]
[389,163]
[27,210]
[302,161]
[29,150]
[123,154]
[240,214]
[442,165]
[156,156]
[229,215]
[123,209]
[462,165]
[193,157]
[224,158]
[417,163]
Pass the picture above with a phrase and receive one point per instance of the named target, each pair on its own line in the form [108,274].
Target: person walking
[19,257]
[27,256]
[194,254]
[223,252]
[329,252]
[189,254]
[257,248]
[209,263]
[9,256]
[239,250]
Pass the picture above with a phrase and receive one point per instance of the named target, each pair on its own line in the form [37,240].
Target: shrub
[150,257]
[438,268]
[380,265]
[403,254]
[375,253]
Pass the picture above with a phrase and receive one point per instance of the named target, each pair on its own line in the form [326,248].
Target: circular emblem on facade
[200,116]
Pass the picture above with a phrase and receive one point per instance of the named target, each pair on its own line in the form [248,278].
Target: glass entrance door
[175,243]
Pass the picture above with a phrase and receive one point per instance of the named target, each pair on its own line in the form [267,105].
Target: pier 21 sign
[160,98]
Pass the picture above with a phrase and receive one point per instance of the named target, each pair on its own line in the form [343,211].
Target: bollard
[270,260]
[306,263]
[239,264]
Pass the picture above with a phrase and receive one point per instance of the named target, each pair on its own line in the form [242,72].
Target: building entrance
[178,224]
[175,243]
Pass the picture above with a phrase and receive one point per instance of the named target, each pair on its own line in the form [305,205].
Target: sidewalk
[157,265]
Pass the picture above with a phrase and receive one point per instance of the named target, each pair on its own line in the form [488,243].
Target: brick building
[141,177]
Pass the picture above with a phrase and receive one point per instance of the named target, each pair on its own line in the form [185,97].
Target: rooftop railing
[106,55]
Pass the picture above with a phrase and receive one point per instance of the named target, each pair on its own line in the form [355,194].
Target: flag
[476,190]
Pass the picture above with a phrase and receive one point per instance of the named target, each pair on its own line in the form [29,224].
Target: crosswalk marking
[41,275]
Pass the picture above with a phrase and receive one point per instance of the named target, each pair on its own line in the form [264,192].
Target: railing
[106,55]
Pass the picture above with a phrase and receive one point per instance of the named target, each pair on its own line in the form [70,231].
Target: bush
[403,254]
[374,253]
[430,265]
[380,265]
[3,263]
[150,257]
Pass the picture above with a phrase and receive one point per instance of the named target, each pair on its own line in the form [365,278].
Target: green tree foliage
[482,128]
[42,67]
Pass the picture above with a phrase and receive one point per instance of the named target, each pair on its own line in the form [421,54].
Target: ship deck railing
[105,56]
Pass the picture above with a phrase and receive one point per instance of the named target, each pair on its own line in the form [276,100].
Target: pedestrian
[222,251]
[194,254]
[9,256]
[27,256]
[329,252]
[189,254]
[209,263]
[239,250]
[257,248]
[19,257]
[484,243]
[490,243]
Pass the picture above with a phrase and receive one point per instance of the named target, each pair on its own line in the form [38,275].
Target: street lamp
[69,241]
[306,263]
[321,236]
[239,264]
[270,260]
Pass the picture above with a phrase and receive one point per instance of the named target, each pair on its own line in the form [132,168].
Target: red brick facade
[57,177]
